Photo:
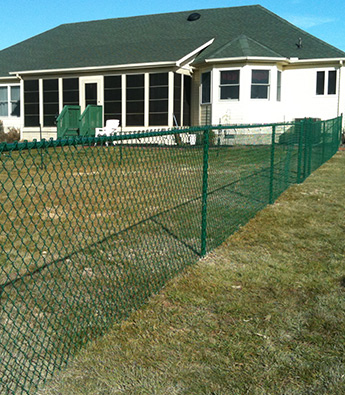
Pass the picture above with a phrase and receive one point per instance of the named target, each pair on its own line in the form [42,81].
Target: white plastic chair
[110,129]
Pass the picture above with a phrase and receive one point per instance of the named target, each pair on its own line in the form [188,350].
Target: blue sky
[22,19]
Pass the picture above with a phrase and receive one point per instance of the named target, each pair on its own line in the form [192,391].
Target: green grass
[262,314]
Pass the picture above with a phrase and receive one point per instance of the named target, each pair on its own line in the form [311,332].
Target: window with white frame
[230,85]
[206,87]
[260,88]
[9,101]
[326,82]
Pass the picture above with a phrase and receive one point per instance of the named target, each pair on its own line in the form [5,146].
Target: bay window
[230,85]
[260,87]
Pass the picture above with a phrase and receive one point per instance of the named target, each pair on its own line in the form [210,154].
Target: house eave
[316,60]
[96,68]
[193,53]
[260,59]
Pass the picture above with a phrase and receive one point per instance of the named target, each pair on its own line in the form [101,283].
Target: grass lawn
[262,314]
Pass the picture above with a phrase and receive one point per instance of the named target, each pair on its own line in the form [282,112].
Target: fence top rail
[74,141]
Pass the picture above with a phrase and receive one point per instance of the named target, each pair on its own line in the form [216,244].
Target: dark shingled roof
[238,31]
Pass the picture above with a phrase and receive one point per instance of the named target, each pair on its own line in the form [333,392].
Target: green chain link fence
[90,228]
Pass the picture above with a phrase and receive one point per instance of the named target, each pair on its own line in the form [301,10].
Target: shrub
[11,136]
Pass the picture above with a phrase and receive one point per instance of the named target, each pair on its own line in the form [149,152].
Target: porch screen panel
[158,103]
[187,100]
[135,98]
[50,101]
[31,103]
[177,99]
[70,88]
[112,98]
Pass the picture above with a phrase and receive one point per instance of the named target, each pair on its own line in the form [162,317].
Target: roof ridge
[240,37]
[160,13]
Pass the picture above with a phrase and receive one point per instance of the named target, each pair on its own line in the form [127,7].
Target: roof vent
[193,17]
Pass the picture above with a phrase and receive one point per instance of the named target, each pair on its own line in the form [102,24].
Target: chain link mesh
[90,228]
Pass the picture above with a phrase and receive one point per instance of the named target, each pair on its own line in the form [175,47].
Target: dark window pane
[159,79]
[158,119]
[70,91]
[332,82]
[260,76]
[320,83]
[50,85]
[113,81]
[158,106]
[136,80]
[112,116]
[206,87]
[135,107]
[112,95]
[49,120]
[71,98]
[31,86]
[259,92]
[229,92]
[112,107]
[135,94]
[159,93]
[31,97]
[187,100]
[177,99]
[51,109]
[70,84]
[135,119]
[31,120]
[230,77]
[50,97]
[31,109]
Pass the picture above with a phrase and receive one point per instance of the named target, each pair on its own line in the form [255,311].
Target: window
[50,101]
[177,99]
[4,101]
[70,88]
[187,88]
[158,99]
[206,88]
[332,82]
[112,97]
[10,101]
[279,85]
[31,103]
[328,80]
[230,84]
[135,100]
[260,84]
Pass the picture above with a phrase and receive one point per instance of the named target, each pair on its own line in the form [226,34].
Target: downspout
[339,85]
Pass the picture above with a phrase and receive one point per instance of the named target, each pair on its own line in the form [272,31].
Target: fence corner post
[204,192]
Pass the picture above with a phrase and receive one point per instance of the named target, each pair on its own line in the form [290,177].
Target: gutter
[97,68]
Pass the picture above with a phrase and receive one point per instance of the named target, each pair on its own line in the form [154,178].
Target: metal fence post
[310,145]
[204,193]
[271,199]
[300,149]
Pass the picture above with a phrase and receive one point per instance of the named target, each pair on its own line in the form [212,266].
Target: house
[224,65]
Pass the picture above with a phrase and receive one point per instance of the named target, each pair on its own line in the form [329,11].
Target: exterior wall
[30,133]
[300,98]
[246,110]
